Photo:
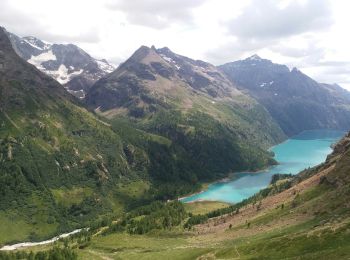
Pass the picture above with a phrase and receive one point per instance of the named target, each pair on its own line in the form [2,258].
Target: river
[30,244]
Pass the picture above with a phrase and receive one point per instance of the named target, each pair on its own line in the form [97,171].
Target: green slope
[307,219]
[50,145]
[60,166]
[212,126]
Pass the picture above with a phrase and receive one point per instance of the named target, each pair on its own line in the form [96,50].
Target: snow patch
[271,82]
[78,93]
[32,41]
[263,84]
[34,46]
[38,60]
[62,75]
[105,66]
[170,60]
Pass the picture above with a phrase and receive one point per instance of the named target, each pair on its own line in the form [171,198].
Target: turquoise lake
[304,150]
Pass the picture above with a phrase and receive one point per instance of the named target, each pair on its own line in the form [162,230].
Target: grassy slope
[313,223]
[310,220]
[60,166]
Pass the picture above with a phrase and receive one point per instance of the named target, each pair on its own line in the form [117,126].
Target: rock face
[75,69]
[293,99]
[152,74]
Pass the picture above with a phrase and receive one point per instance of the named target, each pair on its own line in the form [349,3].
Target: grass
[134,189]
[125,246]
[13,228]
[203,207]
[297,245]
[71,196]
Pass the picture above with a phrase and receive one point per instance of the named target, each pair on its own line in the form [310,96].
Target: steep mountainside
[191,103]
[66,63]
[294,100]
[60,166]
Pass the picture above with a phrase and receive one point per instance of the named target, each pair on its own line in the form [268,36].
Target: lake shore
[293,155]
[230,177]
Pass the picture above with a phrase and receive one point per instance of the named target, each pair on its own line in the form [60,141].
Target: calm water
[294,155]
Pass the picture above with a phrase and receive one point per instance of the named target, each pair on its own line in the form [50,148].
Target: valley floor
[270,231]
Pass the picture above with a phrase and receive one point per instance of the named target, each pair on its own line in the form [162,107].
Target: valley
[168,157]
[307,219]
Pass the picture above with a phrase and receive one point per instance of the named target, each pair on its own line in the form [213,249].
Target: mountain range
[132,139]
[62,166]
[71,66]
[293,99]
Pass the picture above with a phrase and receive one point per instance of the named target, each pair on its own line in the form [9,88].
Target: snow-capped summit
[36,43]
[71,66]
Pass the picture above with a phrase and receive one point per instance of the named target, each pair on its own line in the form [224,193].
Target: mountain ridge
[71,66]
[294,100]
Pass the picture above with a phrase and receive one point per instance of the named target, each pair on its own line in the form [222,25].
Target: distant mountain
[159,73]
[75,69]
[193,104]
[293,99]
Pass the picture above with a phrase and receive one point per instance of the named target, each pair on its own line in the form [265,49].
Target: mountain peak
[5,43]
[140,53]
[31,38]
[66,63]
[254,57]
[164,49]
[295,70]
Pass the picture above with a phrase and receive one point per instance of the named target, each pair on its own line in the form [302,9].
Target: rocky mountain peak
[140,53]
[254,57]
[68,64]
[36,43]
[295,70]
[158,72]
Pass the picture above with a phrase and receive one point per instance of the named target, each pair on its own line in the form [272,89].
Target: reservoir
[299,152]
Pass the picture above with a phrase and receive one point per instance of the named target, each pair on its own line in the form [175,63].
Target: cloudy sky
[312,35]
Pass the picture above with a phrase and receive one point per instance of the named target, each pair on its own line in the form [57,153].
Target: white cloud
[309,34]
[268,19]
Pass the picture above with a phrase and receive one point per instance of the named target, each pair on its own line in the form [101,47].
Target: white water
[30,244]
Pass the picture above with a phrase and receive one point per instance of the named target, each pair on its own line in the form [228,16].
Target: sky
[312,35]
